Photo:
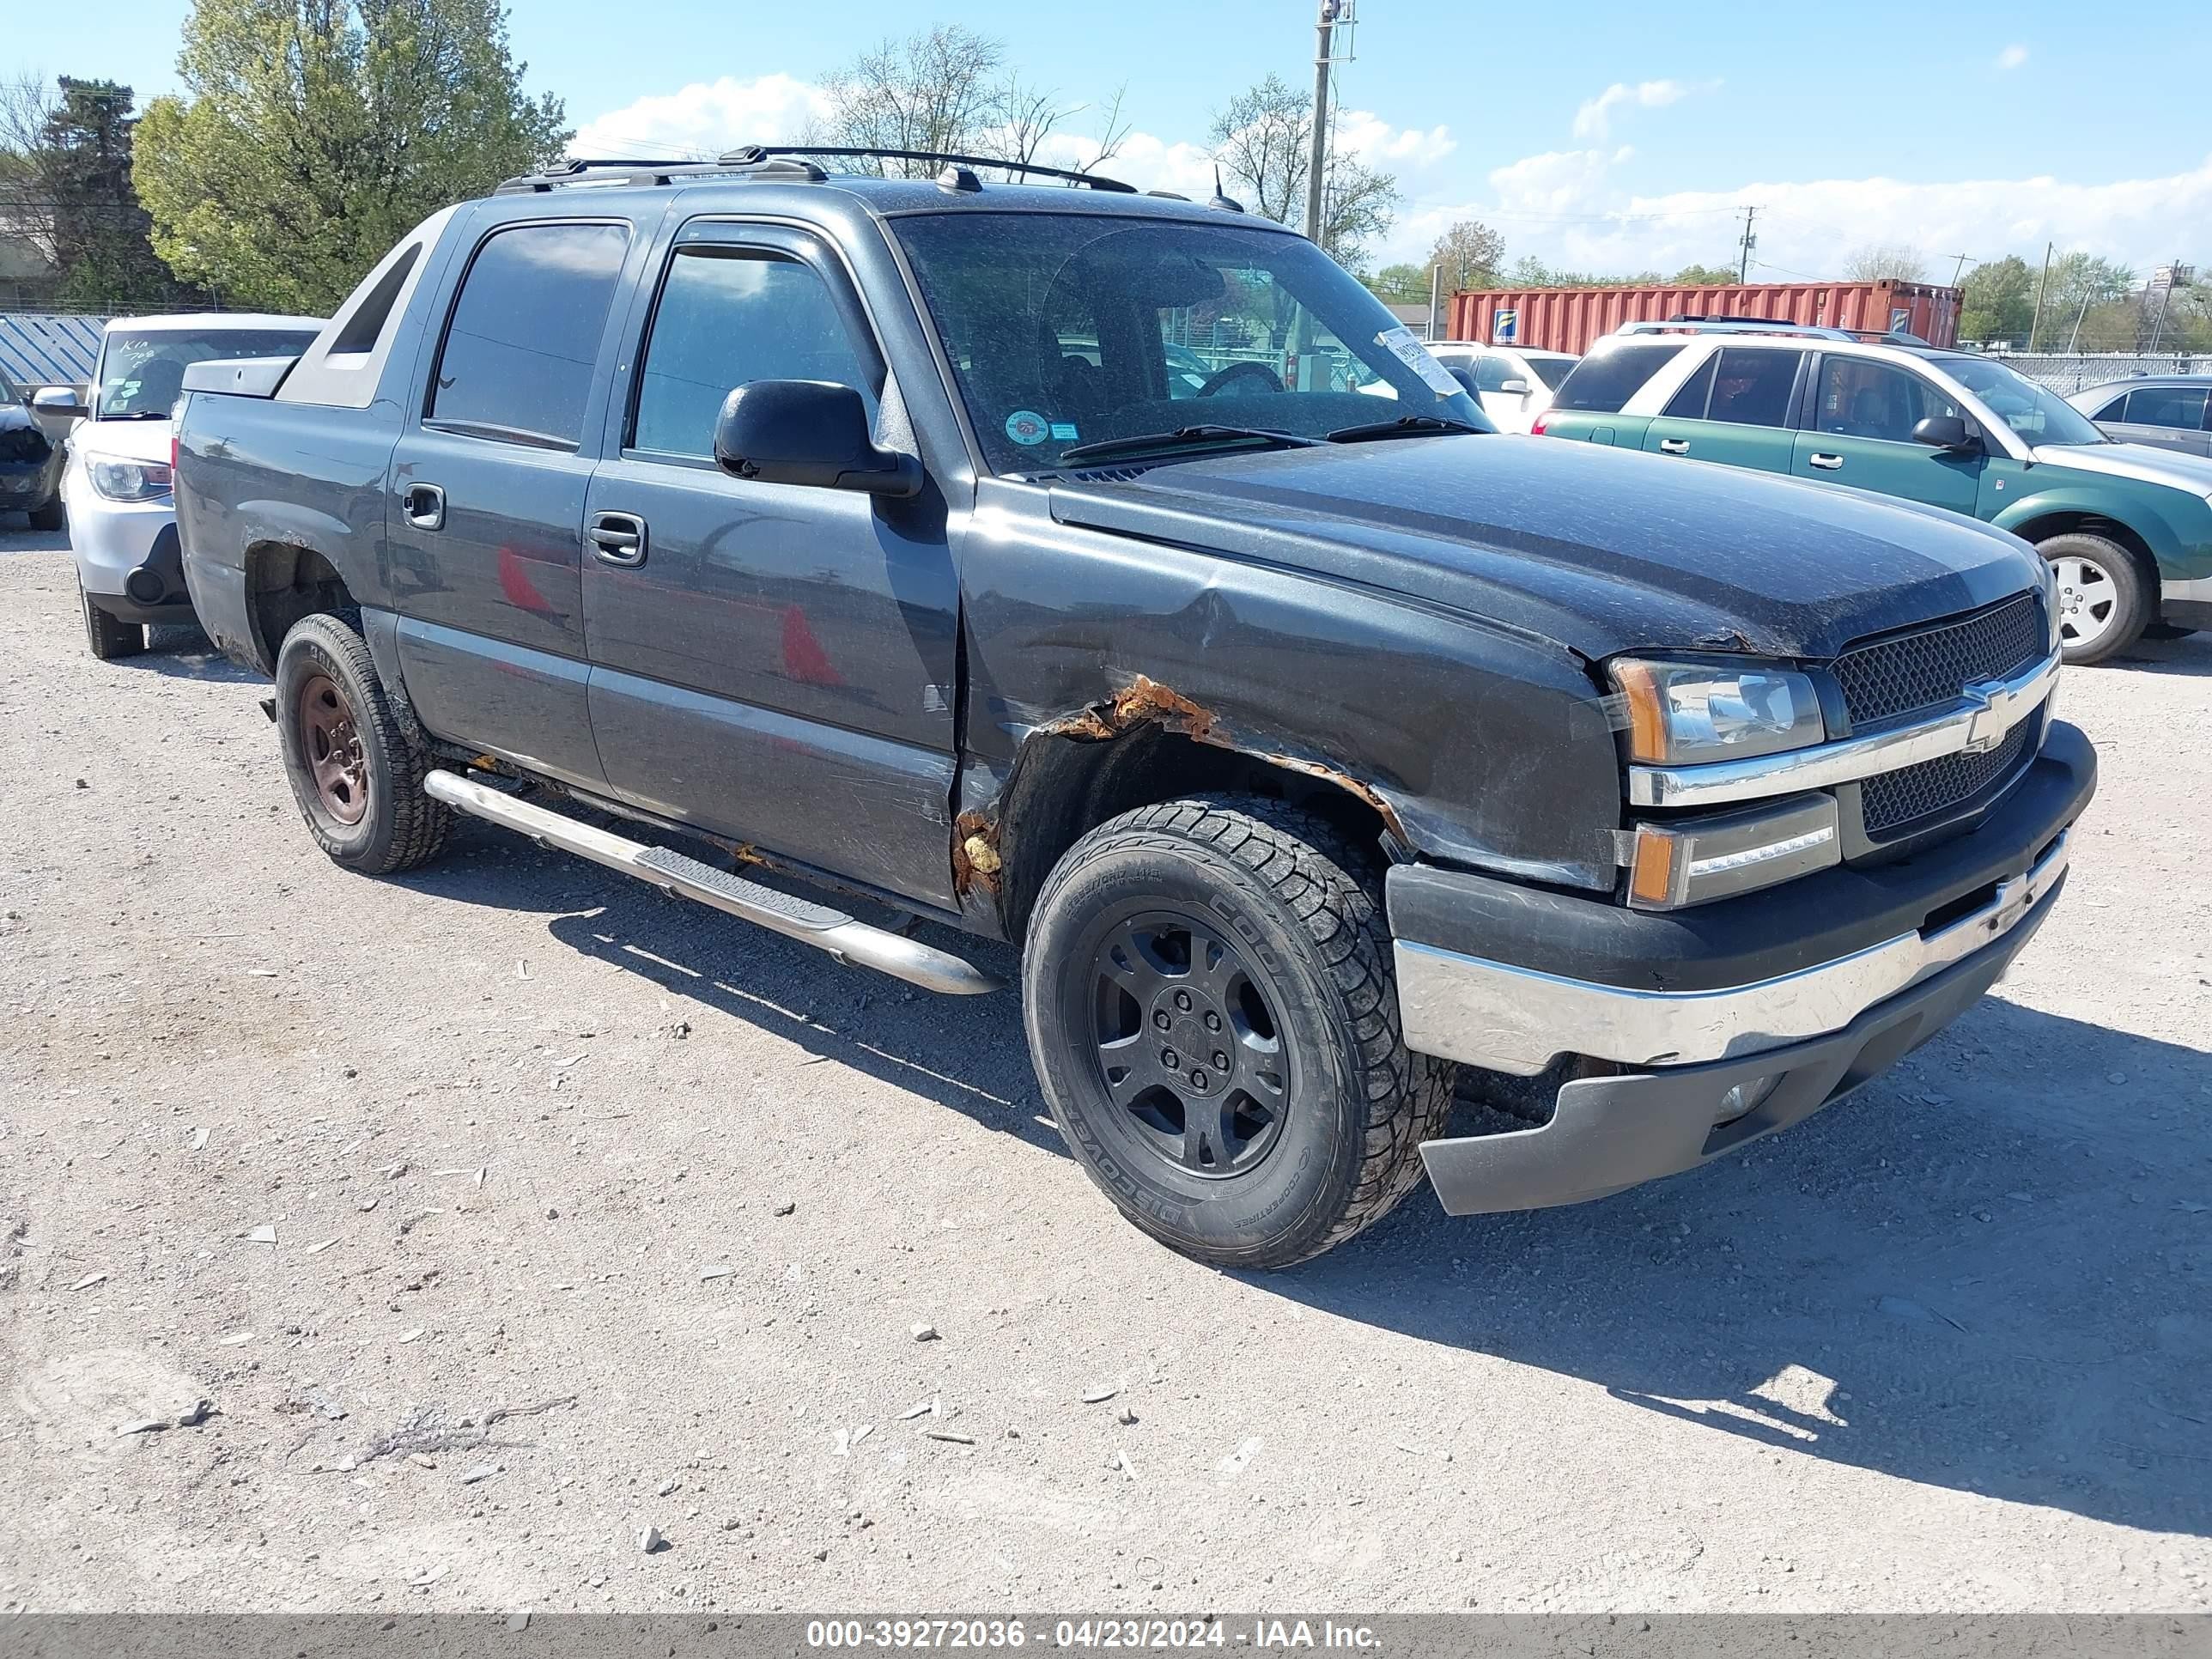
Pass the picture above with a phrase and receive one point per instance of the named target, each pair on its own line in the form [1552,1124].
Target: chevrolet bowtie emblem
[1992,718]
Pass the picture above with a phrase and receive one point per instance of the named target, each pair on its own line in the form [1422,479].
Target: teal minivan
[2126,528]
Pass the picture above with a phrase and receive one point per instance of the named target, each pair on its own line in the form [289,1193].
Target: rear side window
[1689,403]
[1604,380]
[727,316]
[1752,387]
[525,333]
[2114,410]
[2180,406]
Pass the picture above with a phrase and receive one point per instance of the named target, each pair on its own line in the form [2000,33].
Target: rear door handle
[1827,463]
[424,505]
[1673,445]
[617,537]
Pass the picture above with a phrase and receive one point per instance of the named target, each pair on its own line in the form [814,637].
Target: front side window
[2181,406]
[525,333]
[727,316]
[141,372]
[1861,398]
[1070,329]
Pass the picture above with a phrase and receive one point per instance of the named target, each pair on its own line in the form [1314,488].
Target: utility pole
[1750,241]
[2037,323]
[1435,297]
[1317,156]
[1959,270]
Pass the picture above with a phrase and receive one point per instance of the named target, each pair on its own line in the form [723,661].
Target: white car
[122,516]
[1514,386]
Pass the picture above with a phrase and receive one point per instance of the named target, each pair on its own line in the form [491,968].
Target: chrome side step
[809,923]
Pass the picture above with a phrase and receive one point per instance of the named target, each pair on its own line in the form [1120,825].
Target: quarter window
[2114,410]
[1752,388]
[1861,398]
[1604,380]
[525,333]
[728,316]
[1689,403]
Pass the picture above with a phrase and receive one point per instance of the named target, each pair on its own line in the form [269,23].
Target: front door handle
[617,537]
[1827,463]
[1673,445]
[425,506]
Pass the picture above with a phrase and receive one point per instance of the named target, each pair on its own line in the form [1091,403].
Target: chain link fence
[2068,372]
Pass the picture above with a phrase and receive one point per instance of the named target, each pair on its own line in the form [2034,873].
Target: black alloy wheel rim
[1190,1047]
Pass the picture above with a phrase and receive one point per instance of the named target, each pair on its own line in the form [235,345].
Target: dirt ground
[594,1211]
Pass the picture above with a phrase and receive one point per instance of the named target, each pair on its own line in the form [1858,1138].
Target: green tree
[320,131]
[66,188]
[1405,284]
[1998,302]
[1469,252]
[1263,140]
[1696,275]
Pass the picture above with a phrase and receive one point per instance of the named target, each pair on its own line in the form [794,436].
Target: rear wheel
[2103,595]
[355,773]
[51,516]
[109,637]
[1215,1021]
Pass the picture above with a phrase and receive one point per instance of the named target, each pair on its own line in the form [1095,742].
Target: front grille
[1891,799]
[1928,669]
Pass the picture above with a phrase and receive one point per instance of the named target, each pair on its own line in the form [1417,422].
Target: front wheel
[106,635]
[355,772]
[2104,597]
[51,516]
[1213,1018]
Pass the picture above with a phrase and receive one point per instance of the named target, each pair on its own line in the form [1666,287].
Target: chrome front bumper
[1514,1019]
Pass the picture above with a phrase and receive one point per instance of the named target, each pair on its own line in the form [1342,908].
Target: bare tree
[1896,262]
[28,206]
[949,89]
[1263,140]
[1469,252]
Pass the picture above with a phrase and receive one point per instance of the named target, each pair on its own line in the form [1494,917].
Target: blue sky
[1588,137]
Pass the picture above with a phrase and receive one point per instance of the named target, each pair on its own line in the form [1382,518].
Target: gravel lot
[636,1208]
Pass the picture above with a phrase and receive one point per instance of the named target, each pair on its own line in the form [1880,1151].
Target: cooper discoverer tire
[354,770]
[1212,1015]
[2106,599]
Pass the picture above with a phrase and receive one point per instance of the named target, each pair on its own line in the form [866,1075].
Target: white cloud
[2012,56]
[1565,208]
[1595,119]
[705,119]
[1378,143]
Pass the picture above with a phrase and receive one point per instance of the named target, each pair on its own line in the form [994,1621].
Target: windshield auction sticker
[1027,427]
[1401,344]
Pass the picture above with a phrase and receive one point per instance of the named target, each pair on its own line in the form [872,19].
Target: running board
[672,873]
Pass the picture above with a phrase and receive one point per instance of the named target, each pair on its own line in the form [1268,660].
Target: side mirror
[1514,384]
[808,432]
[1946,431]
[61,401]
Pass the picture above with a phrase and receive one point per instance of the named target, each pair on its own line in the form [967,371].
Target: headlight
[1679,714]
[130,481]
[2052,620]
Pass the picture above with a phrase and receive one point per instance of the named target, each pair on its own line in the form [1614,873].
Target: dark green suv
[2126,528]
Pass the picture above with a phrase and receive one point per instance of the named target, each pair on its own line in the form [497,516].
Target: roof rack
[646,170]
[783,161]
[1768,326]
[753,154]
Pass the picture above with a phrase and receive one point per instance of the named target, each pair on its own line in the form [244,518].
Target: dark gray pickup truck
[1109,575]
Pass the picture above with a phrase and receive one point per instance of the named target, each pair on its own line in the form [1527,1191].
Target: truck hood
[2144,463]
[1596,549]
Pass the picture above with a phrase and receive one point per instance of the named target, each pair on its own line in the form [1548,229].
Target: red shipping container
[1573,318]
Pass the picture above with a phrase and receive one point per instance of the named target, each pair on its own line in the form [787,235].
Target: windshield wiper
[140,414]
[1184,437]
[1405,426]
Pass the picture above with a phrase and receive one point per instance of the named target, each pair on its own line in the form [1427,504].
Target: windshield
[2040,416]
[1076,329]
[143,371]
